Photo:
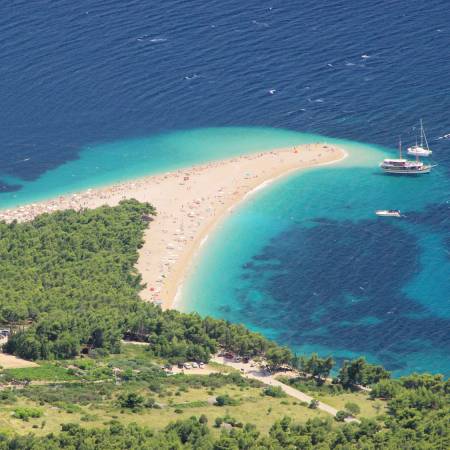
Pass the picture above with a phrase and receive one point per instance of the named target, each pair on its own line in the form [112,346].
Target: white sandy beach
[190,203]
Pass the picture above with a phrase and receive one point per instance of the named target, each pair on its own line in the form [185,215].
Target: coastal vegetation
[359,373]
[133,387]
[127,400]
[68,284]
[70,294]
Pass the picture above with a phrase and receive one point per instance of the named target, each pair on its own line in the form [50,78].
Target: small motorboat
[388,213]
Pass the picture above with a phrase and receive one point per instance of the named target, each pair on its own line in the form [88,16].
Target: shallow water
[123,160]
[307,262]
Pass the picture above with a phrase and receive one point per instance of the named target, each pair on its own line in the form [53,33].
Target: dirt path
[264,377]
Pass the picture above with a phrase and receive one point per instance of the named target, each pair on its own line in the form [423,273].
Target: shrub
[386,389]
[88,417]
[229,420]
[84,364]
[223,400]
[154,386]
[313,404]
[98,353]
[69,408]
[341,416]
[131,400]
[352,408]
[7,396]
[274,391]
[27,413]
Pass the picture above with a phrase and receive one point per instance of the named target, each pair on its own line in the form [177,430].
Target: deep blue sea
[98,91]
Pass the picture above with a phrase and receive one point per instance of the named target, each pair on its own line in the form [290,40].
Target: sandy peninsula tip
[190,204]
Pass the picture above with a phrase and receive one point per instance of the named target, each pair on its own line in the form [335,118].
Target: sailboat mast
[400,146]
[421,133]
[424,136]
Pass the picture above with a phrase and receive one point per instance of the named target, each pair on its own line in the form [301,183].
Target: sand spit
[190,203]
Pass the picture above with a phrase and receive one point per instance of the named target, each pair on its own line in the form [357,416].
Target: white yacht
[422,149]
[388,213]
[403,166]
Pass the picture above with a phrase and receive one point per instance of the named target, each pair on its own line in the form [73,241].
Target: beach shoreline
[190,203]
[203,238]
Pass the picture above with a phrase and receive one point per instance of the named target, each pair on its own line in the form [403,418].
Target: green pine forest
[70,293]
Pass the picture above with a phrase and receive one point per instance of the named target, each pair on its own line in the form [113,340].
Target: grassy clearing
[221,368]
[337,397]
[139,353]
[176,397]
[252,407]
[44,372]
[369,408]
[51,419]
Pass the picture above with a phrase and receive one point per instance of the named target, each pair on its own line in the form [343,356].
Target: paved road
[264,377]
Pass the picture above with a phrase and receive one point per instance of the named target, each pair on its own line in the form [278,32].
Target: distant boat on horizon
[402,166]
[423,149]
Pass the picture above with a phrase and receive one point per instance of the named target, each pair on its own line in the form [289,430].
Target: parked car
[201,365]
[194,365]
[187,366]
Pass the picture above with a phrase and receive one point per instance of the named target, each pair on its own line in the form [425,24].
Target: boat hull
[425,153]
[402,171]
[387,213]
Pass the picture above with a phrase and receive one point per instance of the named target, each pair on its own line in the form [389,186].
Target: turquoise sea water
[306,262]
[122,160]
[94,92]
